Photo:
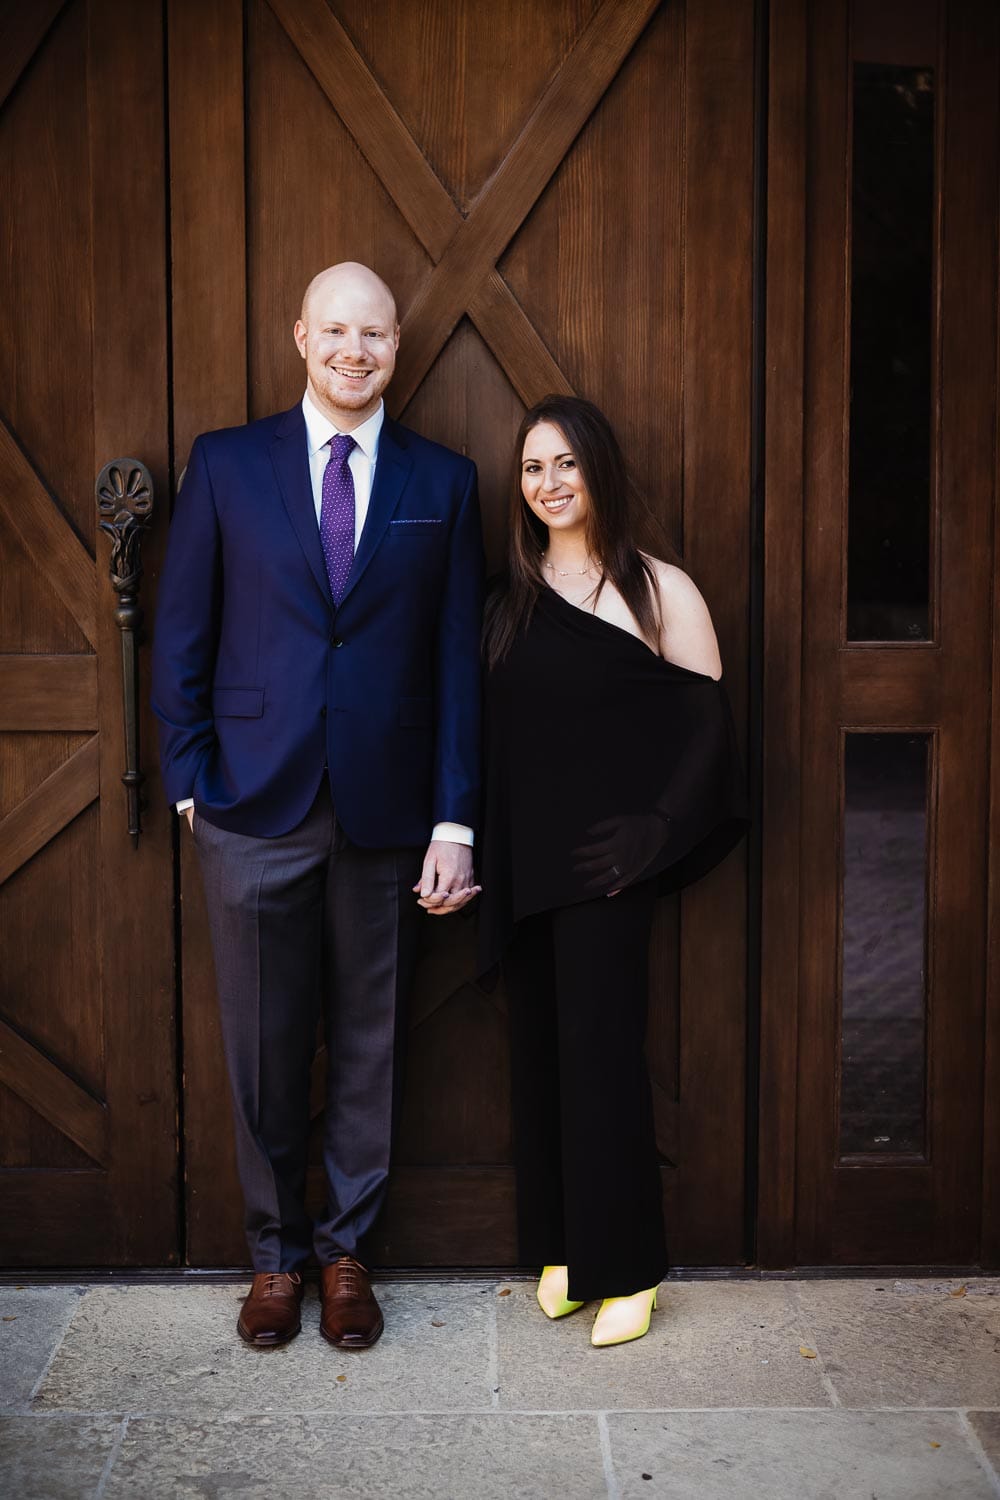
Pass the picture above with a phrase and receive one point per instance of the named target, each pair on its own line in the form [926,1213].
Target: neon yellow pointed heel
[553,1285]
[623,1318]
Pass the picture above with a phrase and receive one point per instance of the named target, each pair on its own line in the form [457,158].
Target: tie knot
[340,447]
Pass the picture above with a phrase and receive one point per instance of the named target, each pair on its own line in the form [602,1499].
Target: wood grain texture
[22,30]
[969,161]
[381,135]
[717,363]
[52,1219]
[50,938]
[61,797]
[45,190]
[47,1089]
[48,692]
[990,1253]
[46,535]
[782,664]
[207,219]
[417,193]
[888,1212]
[125,51]
[518,182]
[208,232]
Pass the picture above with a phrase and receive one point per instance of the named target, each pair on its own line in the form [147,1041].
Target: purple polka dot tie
[336,515]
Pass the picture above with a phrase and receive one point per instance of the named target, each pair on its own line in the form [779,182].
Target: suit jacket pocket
[237,703]
[416,526]
[415,713]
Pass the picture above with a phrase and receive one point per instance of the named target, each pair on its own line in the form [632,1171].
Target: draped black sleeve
[605,765]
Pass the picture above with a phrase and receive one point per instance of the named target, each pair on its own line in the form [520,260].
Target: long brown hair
[609,533]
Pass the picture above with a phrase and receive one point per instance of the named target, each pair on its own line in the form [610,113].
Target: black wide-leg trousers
[588,1177]
[308,925]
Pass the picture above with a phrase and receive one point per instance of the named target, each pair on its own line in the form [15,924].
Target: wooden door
[87,1075]
[884,166]
[560,196]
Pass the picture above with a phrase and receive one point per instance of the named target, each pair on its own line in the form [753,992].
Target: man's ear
[299,333]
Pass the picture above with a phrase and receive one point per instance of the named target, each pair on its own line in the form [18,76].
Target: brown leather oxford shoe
[351,1318]
[271,1312]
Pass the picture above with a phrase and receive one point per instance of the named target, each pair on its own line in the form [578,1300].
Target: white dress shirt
[361,462]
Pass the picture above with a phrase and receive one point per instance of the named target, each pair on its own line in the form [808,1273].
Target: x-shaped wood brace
[465,250]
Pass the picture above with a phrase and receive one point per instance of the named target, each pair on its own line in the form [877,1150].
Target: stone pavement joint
[110,1392]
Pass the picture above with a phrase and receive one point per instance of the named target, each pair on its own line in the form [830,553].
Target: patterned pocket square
[417,521]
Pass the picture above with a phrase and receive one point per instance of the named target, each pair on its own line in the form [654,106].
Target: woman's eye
[568,463]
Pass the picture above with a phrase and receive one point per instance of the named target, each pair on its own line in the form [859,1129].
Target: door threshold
[228,1275]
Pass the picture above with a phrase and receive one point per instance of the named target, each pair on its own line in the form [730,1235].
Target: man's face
[348,341]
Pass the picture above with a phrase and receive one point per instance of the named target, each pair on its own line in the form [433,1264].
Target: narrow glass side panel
[892,244]
[883,1039]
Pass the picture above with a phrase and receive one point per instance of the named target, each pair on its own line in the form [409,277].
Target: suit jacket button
[322,712]
[335,640]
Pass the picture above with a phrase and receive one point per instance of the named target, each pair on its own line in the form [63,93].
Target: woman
[612,776]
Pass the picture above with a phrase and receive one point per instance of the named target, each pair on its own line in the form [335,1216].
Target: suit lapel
[391,473]
[291,465]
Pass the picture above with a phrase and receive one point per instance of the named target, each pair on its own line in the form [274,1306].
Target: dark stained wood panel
[887,1209]
[782,656]
[45,183]
[463,79]
[48,692]
[611,312]
[87,1081]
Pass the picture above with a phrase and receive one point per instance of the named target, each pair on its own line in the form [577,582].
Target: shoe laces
[278,1283]
[348,1277]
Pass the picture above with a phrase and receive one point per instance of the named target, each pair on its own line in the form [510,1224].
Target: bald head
[351,278]
[348,335]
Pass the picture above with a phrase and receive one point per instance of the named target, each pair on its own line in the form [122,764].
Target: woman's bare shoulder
[688,633]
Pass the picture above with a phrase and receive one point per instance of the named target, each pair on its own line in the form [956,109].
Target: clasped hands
[446,880]
[445,883]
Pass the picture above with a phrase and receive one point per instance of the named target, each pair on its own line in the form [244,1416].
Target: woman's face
[551,483]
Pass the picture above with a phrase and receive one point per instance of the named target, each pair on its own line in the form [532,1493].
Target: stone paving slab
[33,1319]
[883,1347]
[709,1344]
[781,1455]
[985,1427]
[175,1349]
[493,1457]
[54,1458]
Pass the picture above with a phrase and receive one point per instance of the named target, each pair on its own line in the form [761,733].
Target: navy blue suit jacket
[259,681]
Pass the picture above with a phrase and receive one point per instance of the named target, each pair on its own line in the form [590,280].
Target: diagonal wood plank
[505,202]
[61,797]
[52,1094]
[46,535]
[414,187]
[515,341]
[23,28]
[48,692]
[381,135]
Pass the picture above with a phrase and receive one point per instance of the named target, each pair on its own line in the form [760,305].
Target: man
[316,675]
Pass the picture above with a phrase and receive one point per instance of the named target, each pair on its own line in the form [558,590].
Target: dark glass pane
[888,564]
[883,1012]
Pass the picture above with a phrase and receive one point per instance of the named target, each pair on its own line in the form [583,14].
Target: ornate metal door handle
[125,507]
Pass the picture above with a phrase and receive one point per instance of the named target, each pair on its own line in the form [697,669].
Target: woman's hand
[446,881]
[620,850]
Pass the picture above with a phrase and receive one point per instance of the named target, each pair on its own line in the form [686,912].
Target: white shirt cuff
[184,804]
[453,833]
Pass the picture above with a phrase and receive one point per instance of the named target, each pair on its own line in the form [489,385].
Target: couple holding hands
[319,664]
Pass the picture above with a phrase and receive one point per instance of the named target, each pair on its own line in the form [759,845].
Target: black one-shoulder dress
[609,769]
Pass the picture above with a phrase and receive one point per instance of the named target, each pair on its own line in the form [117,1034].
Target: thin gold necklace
[572,572]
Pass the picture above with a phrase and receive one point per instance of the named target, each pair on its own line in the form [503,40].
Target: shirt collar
[319,429]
